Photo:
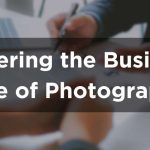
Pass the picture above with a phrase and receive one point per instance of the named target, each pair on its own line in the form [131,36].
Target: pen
[41,8]
[63,33]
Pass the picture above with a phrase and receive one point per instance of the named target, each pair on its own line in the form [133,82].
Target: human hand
[79,26]
[27,123]
[78,124]
[92,127]
[134,52]
[33,120]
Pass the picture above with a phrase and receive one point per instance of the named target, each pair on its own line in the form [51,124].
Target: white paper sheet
[132,134]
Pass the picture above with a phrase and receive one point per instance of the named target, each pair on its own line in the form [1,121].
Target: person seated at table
[99,19]
[74,122]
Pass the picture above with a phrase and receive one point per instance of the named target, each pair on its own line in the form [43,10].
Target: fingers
[30,123]
[71,25]
[133,51]
[55,24]
[79,26]
[79,125]
[77,22]
[74,23]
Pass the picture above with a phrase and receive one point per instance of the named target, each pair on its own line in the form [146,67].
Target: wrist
[97,21]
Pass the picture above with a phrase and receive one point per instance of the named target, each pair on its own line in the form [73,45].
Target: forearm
[84,130]
[81,129]
[15,124]
[91,127]
[114,16]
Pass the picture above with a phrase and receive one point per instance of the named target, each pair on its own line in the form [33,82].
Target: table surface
[123,136]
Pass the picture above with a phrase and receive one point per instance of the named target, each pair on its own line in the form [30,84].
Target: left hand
[26,123]
[92,126]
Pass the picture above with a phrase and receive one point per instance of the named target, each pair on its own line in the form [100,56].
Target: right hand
[79,26]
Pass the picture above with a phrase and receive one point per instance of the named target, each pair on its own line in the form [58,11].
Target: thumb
[75,23]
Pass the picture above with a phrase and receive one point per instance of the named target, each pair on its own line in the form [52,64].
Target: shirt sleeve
[78,145]
[114,16]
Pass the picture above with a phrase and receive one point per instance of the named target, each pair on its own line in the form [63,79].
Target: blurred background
[45,9]
[48,8]
[32,7]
